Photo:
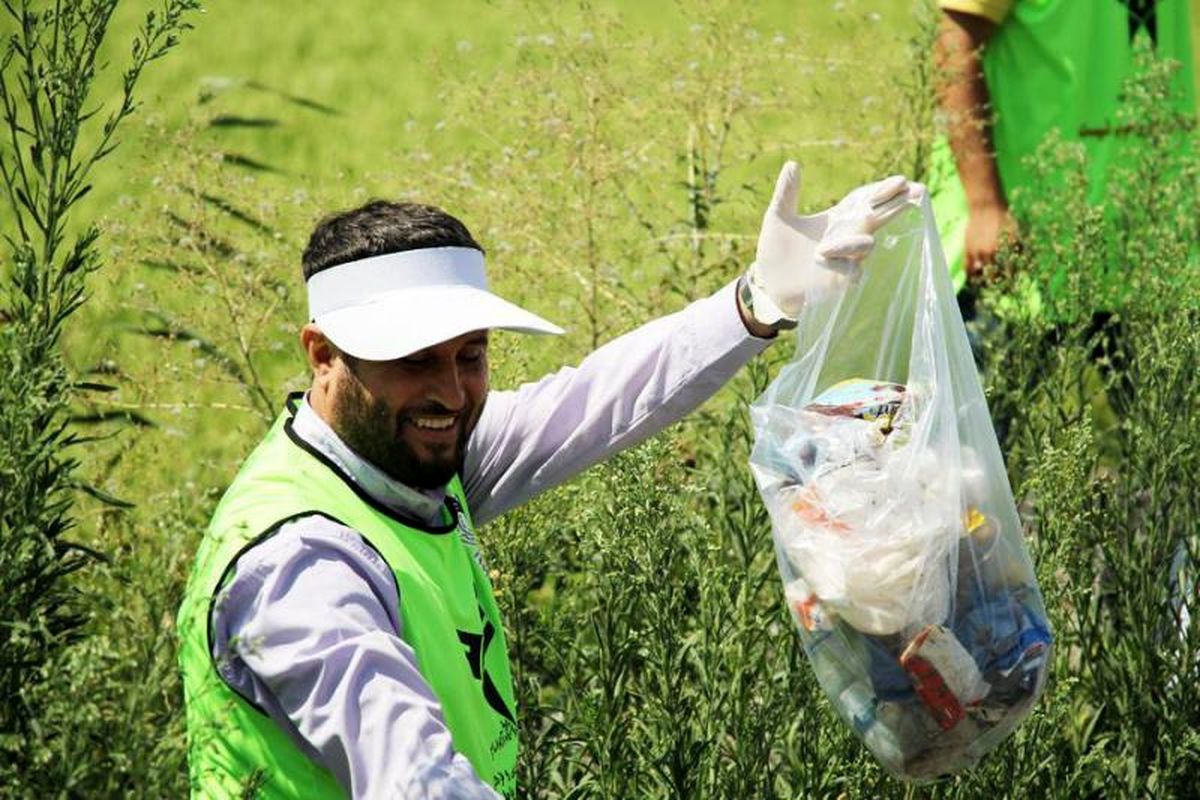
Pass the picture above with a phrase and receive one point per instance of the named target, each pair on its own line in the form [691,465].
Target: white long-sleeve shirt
[308,627]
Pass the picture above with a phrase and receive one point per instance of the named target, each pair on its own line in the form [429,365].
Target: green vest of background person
[1058,65]
[449,617]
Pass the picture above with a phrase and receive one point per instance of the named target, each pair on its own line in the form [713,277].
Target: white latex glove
[800,259]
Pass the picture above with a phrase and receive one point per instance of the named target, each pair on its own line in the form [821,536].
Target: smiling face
[410,417]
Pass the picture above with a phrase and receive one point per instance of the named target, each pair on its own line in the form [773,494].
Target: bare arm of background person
[964,98]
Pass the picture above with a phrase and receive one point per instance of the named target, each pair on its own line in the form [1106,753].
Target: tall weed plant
[53,140]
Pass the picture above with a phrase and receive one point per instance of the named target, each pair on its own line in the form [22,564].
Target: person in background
[1012,72]
[339,634]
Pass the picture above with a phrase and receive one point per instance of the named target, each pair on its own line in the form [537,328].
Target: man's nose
[446,387]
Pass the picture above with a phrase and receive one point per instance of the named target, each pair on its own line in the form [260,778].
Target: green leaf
[103,496]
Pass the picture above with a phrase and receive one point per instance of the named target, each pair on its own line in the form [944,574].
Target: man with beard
[339,632]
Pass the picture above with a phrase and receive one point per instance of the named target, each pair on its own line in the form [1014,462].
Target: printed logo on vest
[477,645]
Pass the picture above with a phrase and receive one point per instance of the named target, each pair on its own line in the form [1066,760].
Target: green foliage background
[614,159]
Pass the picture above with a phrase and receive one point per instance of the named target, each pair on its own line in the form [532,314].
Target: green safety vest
[1060,65]
[448,613]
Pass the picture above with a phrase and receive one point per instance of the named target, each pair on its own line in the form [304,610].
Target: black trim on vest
[225,575]
[403,519]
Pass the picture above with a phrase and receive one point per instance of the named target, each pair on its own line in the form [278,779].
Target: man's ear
[321,353]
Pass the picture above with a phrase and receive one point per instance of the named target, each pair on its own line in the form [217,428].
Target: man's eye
[473,354]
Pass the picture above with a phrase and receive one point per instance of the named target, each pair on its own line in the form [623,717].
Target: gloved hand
[799,259]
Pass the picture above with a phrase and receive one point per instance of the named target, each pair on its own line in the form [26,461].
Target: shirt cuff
[994,10]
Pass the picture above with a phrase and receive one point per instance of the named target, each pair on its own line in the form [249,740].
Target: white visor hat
[393,305]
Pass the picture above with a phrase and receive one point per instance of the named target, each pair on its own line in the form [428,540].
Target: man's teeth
[434,423]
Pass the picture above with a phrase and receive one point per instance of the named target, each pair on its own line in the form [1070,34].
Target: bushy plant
[47,71]
[1097,387]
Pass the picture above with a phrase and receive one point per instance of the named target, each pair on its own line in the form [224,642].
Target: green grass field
[339,103]
[388,72]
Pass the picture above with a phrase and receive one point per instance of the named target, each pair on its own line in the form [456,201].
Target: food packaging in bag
[895,530]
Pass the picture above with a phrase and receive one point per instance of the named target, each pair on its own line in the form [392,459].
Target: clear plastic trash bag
[895,530]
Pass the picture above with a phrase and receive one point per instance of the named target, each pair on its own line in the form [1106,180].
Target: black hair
[380,227]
